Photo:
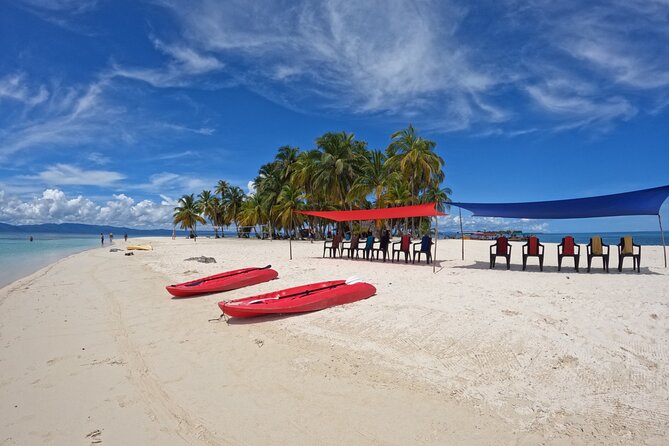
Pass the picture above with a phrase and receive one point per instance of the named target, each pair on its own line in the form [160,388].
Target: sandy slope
[465,356]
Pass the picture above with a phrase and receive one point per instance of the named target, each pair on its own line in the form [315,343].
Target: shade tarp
[420,210]
[641,202]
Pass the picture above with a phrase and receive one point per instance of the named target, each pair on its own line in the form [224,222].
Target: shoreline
[27,269]
[468,355]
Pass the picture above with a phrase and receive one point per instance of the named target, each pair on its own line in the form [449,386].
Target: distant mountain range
[76,228]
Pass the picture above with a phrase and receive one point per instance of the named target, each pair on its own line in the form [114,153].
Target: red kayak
[312,297]
[226,281]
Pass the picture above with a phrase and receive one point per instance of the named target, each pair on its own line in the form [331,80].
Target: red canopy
[420,210]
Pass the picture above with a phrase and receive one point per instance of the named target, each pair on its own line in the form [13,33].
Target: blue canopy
[641,202]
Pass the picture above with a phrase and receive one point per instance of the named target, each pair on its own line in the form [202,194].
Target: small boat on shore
[311,297]
[139,248]
[229,280]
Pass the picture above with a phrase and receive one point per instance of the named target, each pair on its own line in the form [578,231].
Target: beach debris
[115,250]
[201,259]
[130,253]
[94,436]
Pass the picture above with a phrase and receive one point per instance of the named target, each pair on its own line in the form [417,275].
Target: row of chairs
[568,248]
[373,249]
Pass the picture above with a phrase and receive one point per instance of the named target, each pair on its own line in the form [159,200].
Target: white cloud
[54,206]
[66,174]
[428,61]
[98,158]
[13,86]
[184,63]
[471,224]
[251,187]
[67,6]
[78,116]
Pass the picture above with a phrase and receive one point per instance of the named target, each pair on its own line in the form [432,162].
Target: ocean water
[20,257]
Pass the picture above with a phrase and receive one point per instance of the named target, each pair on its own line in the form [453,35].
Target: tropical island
[340,173]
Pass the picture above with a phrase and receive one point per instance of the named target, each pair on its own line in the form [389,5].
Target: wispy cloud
[13,87]
[184,63]
[430,63]
[101,113]
[98,158]
[65,174]
[63,13]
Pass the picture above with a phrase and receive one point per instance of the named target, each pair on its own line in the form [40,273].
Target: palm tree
[290,199]
[252,212]
[187,214]
[222,188]
[268,185]
[337,167]
[285,161]
[234,200]
[207,204]
[435,195]
[398,194]
[415,159]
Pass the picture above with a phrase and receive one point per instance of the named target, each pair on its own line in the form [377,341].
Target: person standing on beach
[125,237]
[102,239]
[111,238]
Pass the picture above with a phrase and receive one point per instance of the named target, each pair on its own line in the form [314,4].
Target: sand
[94,351]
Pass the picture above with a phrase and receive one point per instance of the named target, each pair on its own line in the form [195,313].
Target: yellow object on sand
[628,248]
[597,246]
[139,248]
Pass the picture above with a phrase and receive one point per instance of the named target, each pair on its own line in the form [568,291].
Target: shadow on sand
[533,268]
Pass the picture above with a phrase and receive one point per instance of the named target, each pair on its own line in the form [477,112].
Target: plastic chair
[353,247]
[597,248]
[403,246]
[334,246]
[424,246]
[627,248]
[568,249]
[383,247]
[502,248]
[369,247]
[533,249]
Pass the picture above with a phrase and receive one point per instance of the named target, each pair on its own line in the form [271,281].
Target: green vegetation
[339,173]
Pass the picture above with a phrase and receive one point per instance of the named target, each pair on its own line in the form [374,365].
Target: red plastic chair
[502,249]
[568,248]
[404,246]
[533,249]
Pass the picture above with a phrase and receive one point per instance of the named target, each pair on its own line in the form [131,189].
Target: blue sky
[110,110]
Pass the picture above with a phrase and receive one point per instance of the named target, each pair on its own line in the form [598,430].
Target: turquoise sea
[20,257]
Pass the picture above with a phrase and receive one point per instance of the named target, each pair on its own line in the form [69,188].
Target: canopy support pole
[664,246]
[462,235]
[290,236]
[436,238]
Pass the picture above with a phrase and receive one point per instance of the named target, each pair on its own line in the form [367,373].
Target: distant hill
[76,228]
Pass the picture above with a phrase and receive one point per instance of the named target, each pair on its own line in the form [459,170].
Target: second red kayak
[229,280]
[312,297]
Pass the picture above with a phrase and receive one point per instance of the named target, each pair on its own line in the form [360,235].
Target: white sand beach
[94,351]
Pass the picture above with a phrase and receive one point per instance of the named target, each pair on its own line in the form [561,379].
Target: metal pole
[436,238]
[664,246]
[290,236]
[462,235]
